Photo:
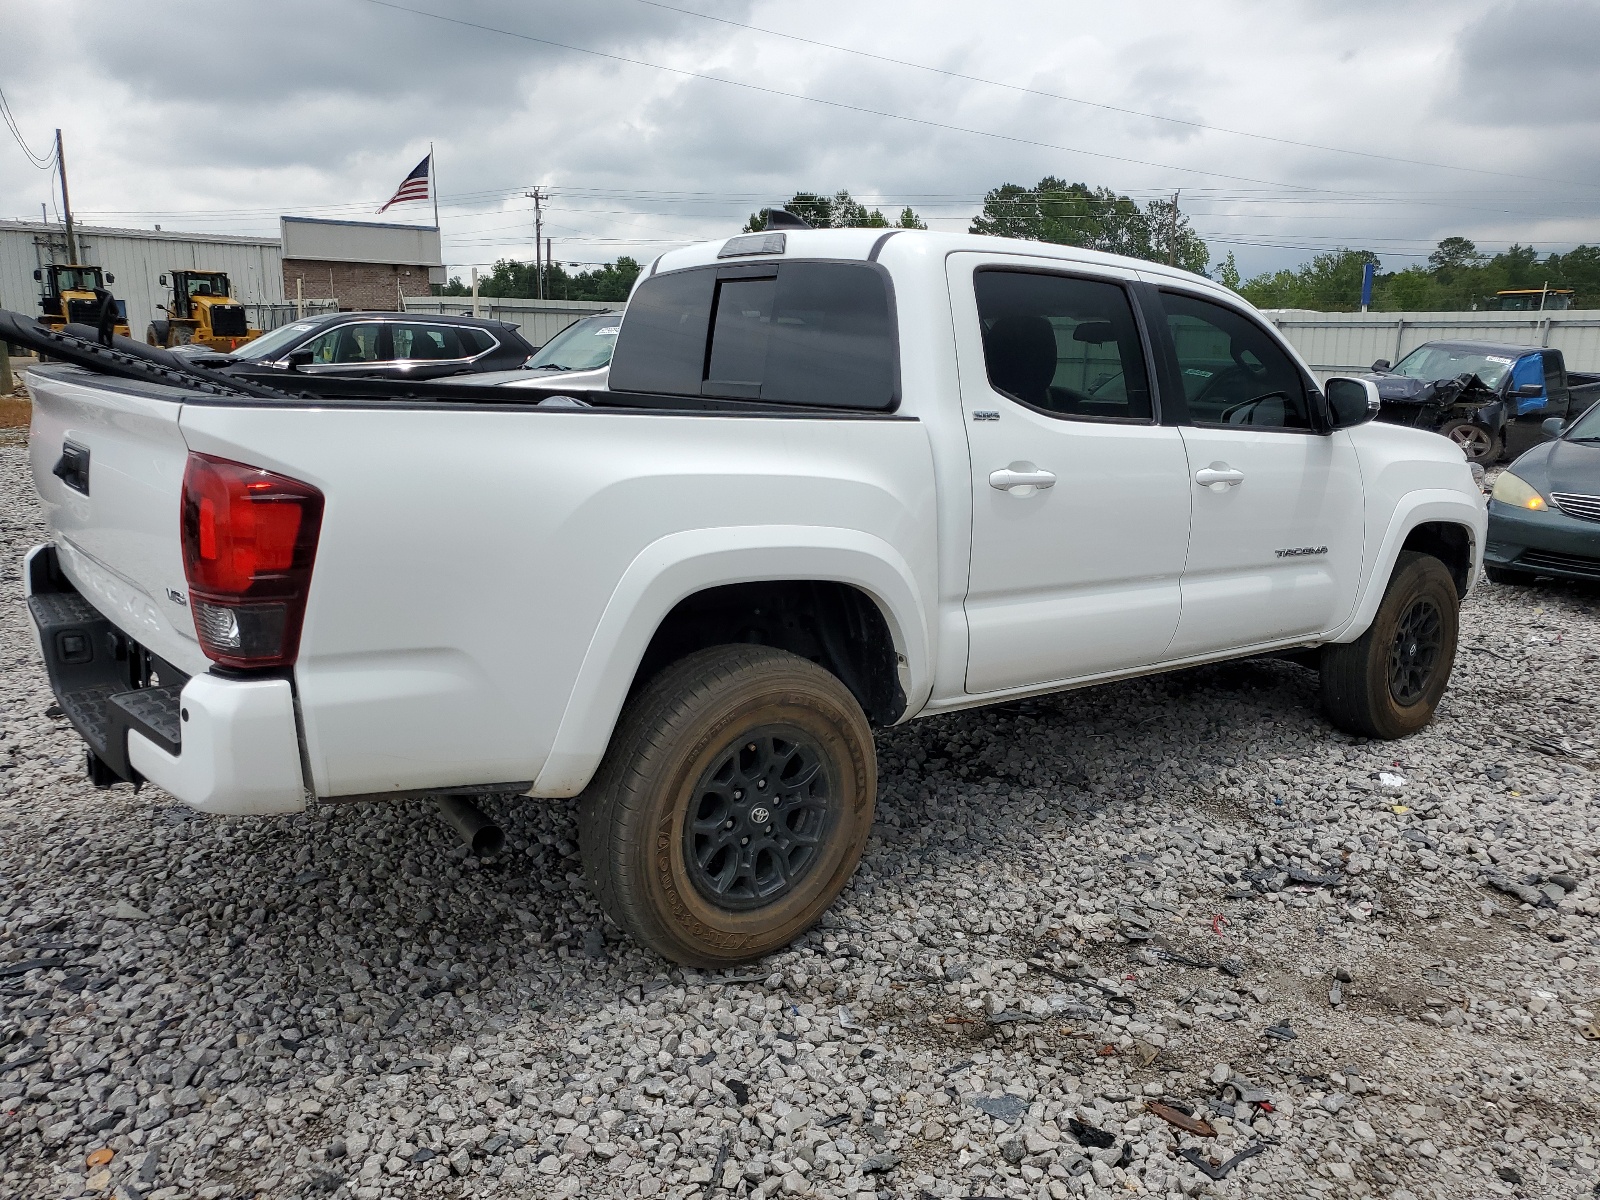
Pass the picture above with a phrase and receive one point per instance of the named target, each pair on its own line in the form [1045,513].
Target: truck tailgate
[108,459]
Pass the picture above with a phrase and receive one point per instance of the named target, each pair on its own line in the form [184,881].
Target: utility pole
[549,265]
[66,201]
[1172,234]
[537,196]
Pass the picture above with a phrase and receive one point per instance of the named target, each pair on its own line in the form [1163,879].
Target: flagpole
[433,185]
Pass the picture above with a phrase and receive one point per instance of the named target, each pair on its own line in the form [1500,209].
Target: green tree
[1415,289]
[1458,276]
[1228,273]
[517,280]
[1454,254]
[1074,214]
[1330,282]
[838,211]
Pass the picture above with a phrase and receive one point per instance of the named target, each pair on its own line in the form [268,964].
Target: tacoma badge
[1300,551]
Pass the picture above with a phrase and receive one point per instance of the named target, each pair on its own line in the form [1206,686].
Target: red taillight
[249,540]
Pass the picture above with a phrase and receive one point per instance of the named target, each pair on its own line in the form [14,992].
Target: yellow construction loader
[202,313]
[69,298]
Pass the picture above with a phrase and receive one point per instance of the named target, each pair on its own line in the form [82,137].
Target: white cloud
[207,116]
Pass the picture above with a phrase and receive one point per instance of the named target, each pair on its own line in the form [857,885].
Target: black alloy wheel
[1388,682]
[760,815]
[1414,651]
[732,805]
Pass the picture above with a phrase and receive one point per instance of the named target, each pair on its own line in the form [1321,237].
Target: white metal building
[1347,342]
[138,258]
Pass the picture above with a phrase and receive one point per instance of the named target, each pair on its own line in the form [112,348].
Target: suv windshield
[273,345]
[581,346]
[1445,362]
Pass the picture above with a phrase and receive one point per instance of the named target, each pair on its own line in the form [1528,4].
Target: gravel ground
[1370,968]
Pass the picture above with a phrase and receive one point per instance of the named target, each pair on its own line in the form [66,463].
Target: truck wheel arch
[679,568]
[1440,523]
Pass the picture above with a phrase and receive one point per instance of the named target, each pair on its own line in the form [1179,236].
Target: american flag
[413,187]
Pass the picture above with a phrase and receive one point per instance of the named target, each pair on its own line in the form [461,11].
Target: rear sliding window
[788,333]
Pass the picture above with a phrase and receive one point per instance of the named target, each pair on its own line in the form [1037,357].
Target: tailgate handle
[73,467]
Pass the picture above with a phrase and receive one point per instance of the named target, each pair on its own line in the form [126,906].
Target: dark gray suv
[378,345]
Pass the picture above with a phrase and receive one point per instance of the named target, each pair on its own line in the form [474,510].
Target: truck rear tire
[1388,682]
[732,805]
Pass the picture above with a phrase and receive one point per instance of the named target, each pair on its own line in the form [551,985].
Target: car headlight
[1509,489]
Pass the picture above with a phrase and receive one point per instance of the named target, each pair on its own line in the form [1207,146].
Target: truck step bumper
[220,745]
[240,753]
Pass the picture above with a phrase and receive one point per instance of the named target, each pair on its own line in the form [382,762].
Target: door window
[1555,385]
[1064,346]
[346,344]
[1233,371]
[426,342]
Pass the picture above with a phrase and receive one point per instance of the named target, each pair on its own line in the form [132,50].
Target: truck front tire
[1388,682]
[156,333]
[1476,442]
[732,805]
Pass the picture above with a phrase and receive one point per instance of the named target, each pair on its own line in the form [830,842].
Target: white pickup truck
[836,480]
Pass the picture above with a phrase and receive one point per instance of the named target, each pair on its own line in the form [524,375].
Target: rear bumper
[221,745]
[1543,543]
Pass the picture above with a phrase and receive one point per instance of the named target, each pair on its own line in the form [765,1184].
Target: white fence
[267,317]
[539,320]
[1337,343]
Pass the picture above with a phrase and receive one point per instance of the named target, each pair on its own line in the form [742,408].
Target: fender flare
[677,566]
[1414,509]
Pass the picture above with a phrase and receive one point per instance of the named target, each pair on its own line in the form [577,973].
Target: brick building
[361,264]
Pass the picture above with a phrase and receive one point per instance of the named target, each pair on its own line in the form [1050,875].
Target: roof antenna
[782,218]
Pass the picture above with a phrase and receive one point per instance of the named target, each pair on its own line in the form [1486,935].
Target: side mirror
[110,278]
[1529,391]
[1351,402]
[37,275]
[1552,427]
[163,281]
[296,359]
[1381,364]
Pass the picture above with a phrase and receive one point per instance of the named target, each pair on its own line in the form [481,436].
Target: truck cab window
[1233,373]
[1065,346]
[814,333]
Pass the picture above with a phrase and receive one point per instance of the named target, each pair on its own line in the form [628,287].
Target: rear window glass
[661,346]
[808,333]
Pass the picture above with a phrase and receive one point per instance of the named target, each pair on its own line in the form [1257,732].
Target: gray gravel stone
[343,1003]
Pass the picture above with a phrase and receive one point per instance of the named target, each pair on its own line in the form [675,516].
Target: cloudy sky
[1290,126]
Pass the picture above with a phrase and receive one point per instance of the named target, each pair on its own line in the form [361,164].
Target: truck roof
[872,243]
[1503,348]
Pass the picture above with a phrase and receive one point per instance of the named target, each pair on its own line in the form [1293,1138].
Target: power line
[43,161]
[1130,112]
[840,104]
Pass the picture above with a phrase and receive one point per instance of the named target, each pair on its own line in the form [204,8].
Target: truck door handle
[1219,477]
[1021,475]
